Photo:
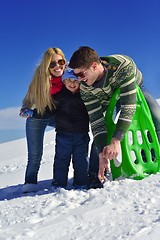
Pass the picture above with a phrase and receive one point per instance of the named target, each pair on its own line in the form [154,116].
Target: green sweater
[121,72]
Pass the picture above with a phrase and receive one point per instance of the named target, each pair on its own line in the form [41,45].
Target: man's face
[87,75]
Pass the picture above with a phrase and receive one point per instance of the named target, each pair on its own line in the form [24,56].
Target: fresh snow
[124,209]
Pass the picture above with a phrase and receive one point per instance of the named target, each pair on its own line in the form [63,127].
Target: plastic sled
[140,150]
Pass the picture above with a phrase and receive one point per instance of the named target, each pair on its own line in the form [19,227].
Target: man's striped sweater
[121,72]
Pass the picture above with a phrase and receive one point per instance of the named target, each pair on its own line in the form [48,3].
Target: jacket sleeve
[96,116]
[26,103]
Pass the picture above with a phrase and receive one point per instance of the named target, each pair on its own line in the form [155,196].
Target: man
[100,77]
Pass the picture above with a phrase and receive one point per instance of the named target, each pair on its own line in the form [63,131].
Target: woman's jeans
[35,129]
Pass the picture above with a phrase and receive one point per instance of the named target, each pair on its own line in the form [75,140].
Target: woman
[38,108]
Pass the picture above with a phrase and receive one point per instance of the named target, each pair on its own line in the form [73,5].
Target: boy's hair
[83,57]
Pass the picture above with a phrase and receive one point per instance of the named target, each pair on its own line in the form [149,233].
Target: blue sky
[29,27]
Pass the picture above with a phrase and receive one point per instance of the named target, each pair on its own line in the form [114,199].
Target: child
[72,138]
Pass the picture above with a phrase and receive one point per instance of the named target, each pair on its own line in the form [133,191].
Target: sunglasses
[81,74]
[54,63]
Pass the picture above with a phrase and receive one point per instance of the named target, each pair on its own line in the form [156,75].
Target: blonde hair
[38,93]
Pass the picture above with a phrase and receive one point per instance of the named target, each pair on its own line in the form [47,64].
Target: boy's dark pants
[71,146]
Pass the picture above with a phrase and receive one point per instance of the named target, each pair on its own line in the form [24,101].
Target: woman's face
[57,65]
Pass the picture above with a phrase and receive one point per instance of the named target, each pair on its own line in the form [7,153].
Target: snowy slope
[124,209]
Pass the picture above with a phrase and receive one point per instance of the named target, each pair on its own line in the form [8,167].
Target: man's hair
[83,57]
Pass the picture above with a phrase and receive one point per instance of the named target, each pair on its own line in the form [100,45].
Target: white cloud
[9,119]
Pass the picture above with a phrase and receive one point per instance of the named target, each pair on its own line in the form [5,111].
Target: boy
[72,138]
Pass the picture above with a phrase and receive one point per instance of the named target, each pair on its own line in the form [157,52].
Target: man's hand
[109,152]
[103,166]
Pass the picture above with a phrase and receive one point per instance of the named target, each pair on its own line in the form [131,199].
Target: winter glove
[26,112]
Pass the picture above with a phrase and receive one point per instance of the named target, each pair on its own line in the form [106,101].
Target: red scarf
[56,85]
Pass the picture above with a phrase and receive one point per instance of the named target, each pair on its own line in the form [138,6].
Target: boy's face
[71,84]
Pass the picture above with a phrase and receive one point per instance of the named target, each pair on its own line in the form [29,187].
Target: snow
[124,209]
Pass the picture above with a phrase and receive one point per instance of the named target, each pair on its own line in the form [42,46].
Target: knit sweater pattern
[122,73]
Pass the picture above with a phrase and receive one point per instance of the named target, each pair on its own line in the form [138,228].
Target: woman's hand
[26,112]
